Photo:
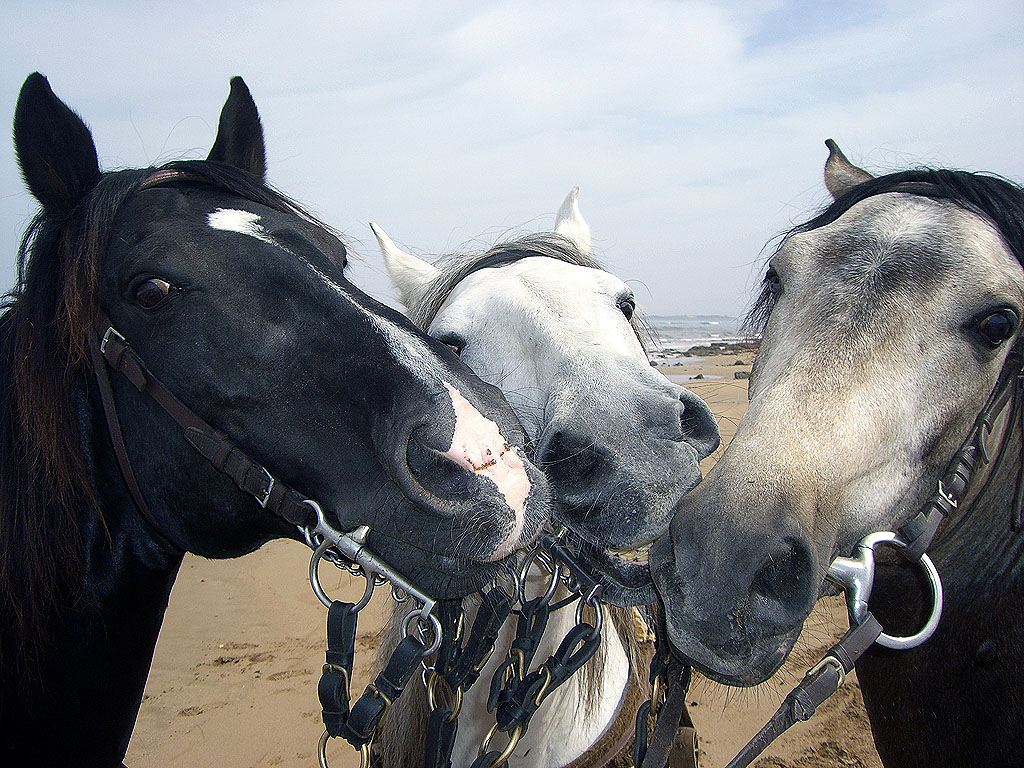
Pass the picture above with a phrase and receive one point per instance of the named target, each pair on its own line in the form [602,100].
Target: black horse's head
[239,304]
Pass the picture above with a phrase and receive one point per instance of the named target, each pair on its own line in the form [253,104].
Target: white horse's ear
[569,222]
[840,174]
[410,275]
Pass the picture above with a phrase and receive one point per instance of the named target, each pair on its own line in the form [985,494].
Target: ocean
[675,334]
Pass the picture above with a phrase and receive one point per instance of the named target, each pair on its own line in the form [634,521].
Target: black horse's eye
[773,282]
[627,306]
[151,292]
[998,326]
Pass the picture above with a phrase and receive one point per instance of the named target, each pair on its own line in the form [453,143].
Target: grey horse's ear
[840,174]
[569,222]
[411,276]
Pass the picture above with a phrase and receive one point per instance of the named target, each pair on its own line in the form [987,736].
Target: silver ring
[912,641]
[856,575]
[318,590]
[435,626]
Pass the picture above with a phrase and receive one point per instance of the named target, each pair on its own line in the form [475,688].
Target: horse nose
[740,582]
[779,588]
[698,424]
[570,457]
[437,473]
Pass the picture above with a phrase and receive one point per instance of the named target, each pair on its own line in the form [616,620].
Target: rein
[855,575]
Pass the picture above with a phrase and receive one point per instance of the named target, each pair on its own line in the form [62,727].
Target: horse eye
[773,282]
[627,307]
[152,292]
[453,342]
[998,326]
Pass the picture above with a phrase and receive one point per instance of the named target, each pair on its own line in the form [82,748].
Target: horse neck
[956,699]
[93,667]
[572,719]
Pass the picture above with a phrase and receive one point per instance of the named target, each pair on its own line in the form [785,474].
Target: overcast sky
[694,130]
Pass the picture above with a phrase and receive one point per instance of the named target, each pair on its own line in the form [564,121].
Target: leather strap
[817,685]
[250,476]
[117,440]
[673,743]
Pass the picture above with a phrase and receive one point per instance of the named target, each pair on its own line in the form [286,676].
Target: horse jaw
[840,174]
[569,222]
[411,276]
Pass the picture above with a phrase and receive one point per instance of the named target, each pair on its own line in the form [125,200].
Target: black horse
[235,301]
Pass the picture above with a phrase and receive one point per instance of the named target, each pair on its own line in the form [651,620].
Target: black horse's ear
[240,134]
[55,149]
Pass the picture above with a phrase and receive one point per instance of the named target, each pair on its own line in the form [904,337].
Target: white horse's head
[541,319]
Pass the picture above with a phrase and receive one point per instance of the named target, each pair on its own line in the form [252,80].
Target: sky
[694,130]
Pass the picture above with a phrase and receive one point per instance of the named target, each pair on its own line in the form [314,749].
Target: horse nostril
[781,592]
[698,424]
[569,457]
[435,472]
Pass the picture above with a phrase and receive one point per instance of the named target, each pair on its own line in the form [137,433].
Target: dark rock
[741,375]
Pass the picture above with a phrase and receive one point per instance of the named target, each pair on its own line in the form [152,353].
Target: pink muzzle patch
[479,446]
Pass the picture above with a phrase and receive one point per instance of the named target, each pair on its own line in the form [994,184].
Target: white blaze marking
[478,445]
[242,222]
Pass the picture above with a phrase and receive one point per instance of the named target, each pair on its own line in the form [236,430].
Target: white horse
[541,319]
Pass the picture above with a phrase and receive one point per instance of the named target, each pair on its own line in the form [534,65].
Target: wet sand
[234,678]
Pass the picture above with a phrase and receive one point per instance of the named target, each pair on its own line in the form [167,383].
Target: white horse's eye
[627,307]
[455,343]
[773,282]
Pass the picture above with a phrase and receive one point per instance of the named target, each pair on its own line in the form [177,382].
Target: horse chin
[759,659]
[623,574]
[742,660]
[439,574]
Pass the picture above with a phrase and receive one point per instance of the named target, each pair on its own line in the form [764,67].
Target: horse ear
[239,139]
[55,149]
[840,174]
[569,222]
[410,275]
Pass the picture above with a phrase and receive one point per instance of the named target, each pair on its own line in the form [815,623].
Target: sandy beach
[233,682]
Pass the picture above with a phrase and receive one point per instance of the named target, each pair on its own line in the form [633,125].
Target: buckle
[111,331]
[271,482]
[947,497]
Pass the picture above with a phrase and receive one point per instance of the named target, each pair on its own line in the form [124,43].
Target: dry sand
[234,679]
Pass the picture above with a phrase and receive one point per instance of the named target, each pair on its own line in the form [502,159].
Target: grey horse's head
[886,321]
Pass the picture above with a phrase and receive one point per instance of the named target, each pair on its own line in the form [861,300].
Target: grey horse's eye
[151,292]
[627,306]
[998,326]
[773,282]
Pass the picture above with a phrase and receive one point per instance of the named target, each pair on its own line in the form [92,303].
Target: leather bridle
[108,348]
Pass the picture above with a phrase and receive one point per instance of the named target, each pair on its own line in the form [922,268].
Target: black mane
[44,481]
[998,200]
